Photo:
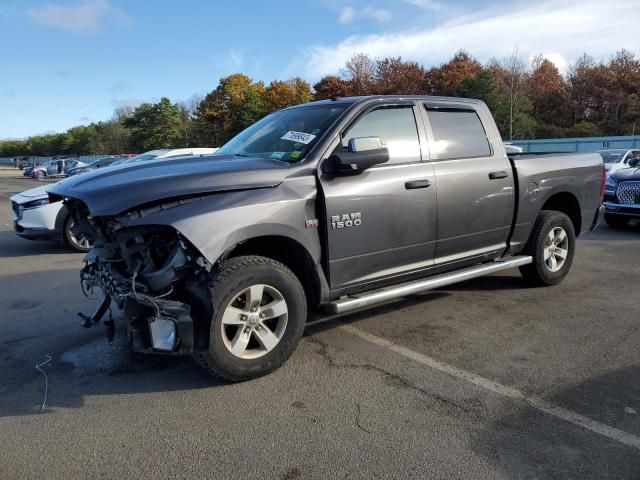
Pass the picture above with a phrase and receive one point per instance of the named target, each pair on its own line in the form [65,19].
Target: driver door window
[397,129]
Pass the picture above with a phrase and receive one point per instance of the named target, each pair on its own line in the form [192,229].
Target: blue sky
[70,62]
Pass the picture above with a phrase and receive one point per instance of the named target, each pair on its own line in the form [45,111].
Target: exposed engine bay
[153,275]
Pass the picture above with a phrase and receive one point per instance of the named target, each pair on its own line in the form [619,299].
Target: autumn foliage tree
[393,76]
[331,86]
[549,97]
[281,94]
[448,77]
[527,100]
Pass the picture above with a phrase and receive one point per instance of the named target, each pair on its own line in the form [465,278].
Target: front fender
[217,222]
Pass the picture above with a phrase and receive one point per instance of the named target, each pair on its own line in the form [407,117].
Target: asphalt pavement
[485,379]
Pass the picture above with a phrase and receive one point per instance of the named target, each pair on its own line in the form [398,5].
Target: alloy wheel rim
[78,240]
[556,249]
[254,321]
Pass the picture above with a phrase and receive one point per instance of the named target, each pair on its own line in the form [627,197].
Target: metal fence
[586,144]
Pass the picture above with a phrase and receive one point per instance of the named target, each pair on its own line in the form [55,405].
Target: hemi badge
[313,223]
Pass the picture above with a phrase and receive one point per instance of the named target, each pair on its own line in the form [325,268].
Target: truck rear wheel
[552,246]
[259,315]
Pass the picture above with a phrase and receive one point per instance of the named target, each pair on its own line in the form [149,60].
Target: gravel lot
[486,379]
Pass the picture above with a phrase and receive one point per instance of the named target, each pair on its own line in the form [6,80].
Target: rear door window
[457,134]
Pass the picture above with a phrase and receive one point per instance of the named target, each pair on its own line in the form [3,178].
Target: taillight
[603,182]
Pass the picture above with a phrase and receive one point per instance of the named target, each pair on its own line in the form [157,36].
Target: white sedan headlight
[35,203]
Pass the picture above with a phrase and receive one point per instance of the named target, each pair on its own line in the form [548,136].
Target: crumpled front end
[153,274]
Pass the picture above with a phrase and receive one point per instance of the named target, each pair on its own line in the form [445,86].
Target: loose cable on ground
[46,380]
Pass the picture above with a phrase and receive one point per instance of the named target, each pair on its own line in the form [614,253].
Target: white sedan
[34,218]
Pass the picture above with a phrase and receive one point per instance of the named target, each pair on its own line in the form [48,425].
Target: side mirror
[363,153]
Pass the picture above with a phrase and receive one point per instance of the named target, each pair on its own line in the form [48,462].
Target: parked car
[622,195]
[28,166]
[99,163]
[329,204]
[36,218]
[617,158]
[72,165]
[165,153]
[22,162]
[55,168]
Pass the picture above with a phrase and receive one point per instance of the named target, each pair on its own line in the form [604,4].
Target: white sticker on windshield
[299,137]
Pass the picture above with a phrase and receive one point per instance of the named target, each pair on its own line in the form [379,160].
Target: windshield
[286,135]
[611,157]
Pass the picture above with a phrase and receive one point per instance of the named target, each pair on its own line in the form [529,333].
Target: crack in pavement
[359,412]
[401,381]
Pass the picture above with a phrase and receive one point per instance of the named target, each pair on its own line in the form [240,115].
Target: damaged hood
[112,190]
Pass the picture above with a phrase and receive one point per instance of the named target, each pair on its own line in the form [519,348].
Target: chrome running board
[350,303]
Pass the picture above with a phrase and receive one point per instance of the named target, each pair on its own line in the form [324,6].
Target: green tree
[480,87]
[110,137]
[251,110]
[156,125]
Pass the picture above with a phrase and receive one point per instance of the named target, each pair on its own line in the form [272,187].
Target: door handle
[498,175]
[413,184]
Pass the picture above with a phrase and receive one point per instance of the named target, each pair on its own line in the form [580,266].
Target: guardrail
[584,144]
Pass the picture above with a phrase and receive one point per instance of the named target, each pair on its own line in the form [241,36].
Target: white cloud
[349,14]
[346,15]
[83,17]
[378,14]
[565,28]
[427,4]
[236,57]
[126,103]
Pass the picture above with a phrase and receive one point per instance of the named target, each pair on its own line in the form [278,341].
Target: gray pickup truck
[338,204]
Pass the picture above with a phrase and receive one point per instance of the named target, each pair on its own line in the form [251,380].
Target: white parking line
[537,403]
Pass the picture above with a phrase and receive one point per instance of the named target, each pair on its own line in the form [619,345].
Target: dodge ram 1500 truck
[337,204]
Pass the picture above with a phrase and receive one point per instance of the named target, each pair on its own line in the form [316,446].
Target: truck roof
[366,98]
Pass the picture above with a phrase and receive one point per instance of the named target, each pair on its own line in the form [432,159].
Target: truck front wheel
[259,315]
[552,246]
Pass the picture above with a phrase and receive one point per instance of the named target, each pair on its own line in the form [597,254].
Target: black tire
[71,240]
[616,221]
[232,277]
[539,273]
